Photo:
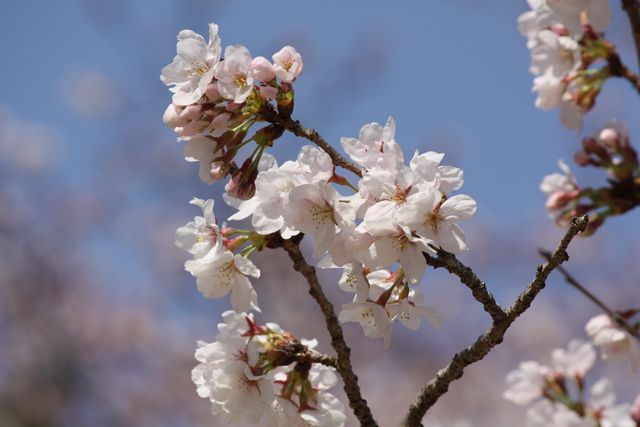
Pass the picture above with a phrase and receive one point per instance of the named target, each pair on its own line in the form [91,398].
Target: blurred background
[98,319]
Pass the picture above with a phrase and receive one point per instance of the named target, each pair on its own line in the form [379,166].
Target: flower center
[240,79]
[287,64]
[433,219]
[321,214]
[199,69]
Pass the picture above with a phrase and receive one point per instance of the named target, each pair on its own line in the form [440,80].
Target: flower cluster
[217,100]
[257,372]
[564,39]
[611,150]
[378,234]
[558,394]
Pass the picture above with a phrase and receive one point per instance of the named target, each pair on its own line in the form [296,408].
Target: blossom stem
[590,296]
[431,392]
[632,8]
[269,114]
[351,387]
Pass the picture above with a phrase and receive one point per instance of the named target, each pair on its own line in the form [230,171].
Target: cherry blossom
[431,217]
[202,234]
[375,147]
[192,68]
[205,150]
[220,271]
[526,384]
[615,343]
[235,74]
[288,64]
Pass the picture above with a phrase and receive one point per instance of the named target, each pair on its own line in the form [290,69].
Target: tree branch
[431,392]
[467,277]
[632,7]
[343,365]
[574,282]
[618,69]
[295,127]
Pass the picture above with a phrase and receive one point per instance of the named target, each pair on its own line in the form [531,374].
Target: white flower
[353,280]
[567,12]
[549,414]
[576,361]
[225,378]
[235,325]
[205,150]
[192,68]
[234,74]
[429,217]
[202,234]
[527,383]
[615,343]
[601,404]
[554,53]
[410,311]
[375,147]
[443,178]
[400,246]
[373,318]
[273,186]
[317,209]
[220,272]
[287,64]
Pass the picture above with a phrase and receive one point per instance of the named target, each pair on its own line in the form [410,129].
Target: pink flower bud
[221,121]
[212,92]
[268,93]
[172,116]
[191,128]
[232,106]
[262,69]
[191,112]
[218,170]
[610,138]
[234,243]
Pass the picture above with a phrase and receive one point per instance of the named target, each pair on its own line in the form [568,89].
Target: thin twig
[574,282]
[431,392]
[467,277]
[269,114]
[343,366]
[632,7]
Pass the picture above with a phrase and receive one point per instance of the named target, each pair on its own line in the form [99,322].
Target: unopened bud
[213,93]
[219,170]
[262,69]
[172,116]
[268,92]
[610,138]
[192,112]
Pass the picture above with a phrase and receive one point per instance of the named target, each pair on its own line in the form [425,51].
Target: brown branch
[343,365]
[295,351]
[269,114]
[431,392]
[618,69]
[632,7]
[468,277]
[574,282]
